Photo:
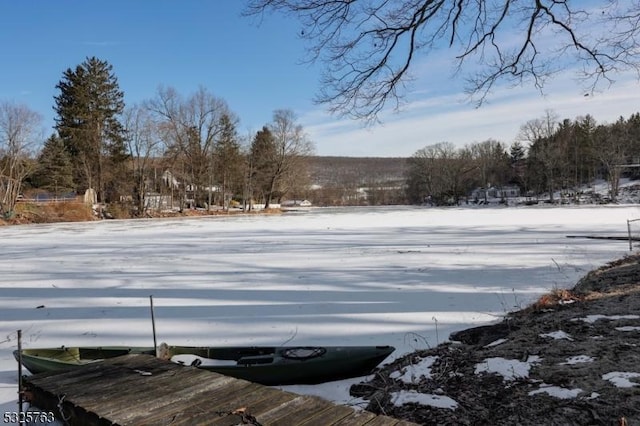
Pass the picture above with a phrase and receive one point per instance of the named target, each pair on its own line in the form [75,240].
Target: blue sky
[257,68]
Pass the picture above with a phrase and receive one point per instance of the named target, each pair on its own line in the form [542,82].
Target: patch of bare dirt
[587,345]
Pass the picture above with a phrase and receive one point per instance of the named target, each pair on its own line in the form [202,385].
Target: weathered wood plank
[358,418]
[142,390]
[310,408]
[255,401]
[330,416]
[232,411]
[272,398]
[126,389]
[187,398]
[184,410]
[69,378]
[139,394]
[382,421]
[273,414]
[175,401]
[221,415]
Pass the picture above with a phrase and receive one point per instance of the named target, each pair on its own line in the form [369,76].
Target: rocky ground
[573,358]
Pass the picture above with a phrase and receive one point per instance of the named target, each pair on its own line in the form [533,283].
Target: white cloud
[449,117]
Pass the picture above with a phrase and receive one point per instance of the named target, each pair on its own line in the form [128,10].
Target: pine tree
[228,158]
[55,172]
[517,152]
[88,107]
[262,158]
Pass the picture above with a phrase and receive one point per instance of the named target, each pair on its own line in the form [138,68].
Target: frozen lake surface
[399,276]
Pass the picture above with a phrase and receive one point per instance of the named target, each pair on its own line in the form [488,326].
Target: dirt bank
[571,359]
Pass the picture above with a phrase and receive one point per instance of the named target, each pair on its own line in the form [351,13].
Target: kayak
[267,365]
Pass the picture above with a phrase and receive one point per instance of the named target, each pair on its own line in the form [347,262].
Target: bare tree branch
[368,47]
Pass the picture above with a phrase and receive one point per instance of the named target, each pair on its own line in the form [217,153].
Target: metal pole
[629,232]
[153,324]
[20,394]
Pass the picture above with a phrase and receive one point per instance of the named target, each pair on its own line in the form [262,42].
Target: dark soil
[611,340]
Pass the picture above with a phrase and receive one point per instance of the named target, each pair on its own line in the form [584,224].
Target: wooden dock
[144,390]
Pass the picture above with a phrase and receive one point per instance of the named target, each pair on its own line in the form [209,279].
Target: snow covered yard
[401,276]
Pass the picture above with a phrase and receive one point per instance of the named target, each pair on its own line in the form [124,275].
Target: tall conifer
[89,106]
[54,173]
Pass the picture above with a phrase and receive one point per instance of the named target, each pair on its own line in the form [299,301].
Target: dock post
[20,394]
[153,325]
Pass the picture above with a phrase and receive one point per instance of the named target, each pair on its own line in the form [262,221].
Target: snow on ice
[353,276]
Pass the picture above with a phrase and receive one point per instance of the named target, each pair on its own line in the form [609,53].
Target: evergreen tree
[262,158]
[633,124]
[228,159]
[584,157]
[88,106]
[517,152]
[55,172]
[517,158]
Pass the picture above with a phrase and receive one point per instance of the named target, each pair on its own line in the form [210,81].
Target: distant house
[507,191]
[155,201]
[296,203]
[169,180]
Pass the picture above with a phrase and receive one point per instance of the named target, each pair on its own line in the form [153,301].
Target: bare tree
[20,131]
[491,161]
[438,174]
[143,139]
[544,149]
[190,127]
[369,46]
[613,145]
[292,146]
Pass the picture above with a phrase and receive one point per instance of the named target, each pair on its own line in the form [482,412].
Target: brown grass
[51,212]
[26,213]
[556,297]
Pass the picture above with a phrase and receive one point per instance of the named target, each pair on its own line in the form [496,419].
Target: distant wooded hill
[354,181]
[357,171]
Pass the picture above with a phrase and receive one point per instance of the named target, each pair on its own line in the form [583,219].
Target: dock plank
[333,414]
[358,418]
[310,407]
[382,421]
[231,412]
[143,390]
[179,404]
[268,400]
[199,404]
[273,414]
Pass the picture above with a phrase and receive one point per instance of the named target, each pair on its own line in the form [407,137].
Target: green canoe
[271,366]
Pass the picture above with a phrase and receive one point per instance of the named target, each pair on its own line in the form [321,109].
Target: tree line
[187,149]
[548,156]
[186,146]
